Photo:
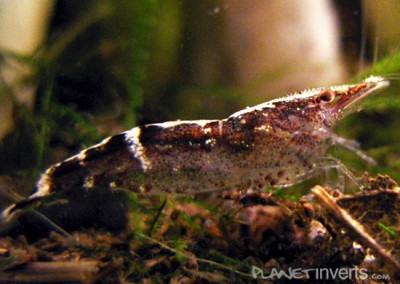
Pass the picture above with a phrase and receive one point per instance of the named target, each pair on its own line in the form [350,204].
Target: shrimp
[277,143]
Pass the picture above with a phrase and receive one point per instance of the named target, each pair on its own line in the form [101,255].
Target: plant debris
[188,240]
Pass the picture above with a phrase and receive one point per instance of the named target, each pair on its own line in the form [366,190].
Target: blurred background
[73,72]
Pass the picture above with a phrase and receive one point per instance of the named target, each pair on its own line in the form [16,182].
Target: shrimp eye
[326,96]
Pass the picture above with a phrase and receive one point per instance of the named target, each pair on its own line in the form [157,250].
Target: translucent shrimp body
[276,143]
